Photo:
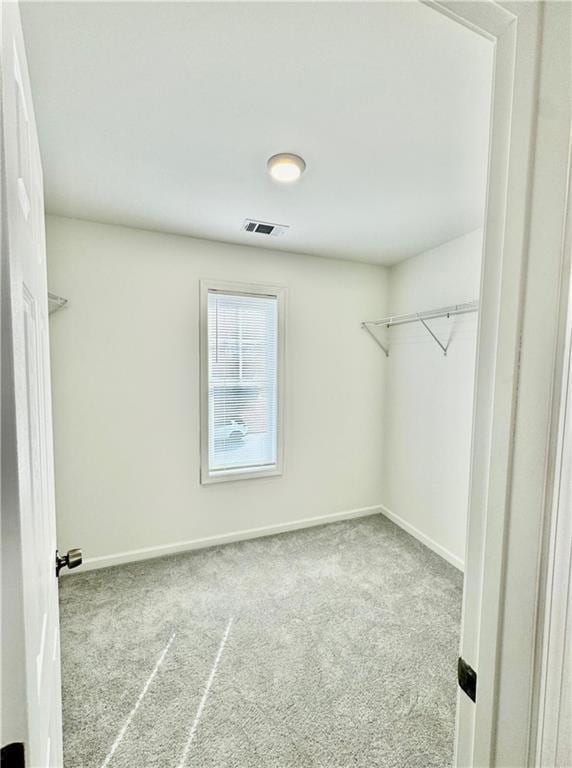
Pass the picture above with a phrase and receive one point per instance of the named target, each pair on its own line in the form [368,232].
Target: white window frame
[242,289]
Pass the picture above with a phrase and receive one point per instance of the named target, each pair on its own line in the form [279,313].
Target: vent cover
[264,228]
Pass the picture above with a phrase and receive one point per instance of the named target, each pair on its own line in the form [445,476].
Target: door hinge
[12,755]
[467,678]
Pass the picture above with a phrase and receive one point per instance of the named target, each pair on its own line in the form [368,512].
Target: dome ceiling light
[286,167]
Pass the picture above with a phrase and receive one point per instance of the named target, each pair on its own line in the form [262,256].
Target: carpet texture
[329,647]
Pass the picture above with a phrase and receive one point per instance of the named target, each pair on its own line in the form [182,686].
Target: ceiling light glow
[286,167]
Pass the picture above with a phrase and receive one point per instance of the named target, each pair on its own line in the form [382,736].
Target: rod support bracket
[374,337]
[435,337]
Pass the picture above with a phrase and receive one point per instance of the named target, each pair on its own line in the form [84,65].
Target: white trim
[423,538]
[148,553]
[556,637]
[249,289]
[551,743]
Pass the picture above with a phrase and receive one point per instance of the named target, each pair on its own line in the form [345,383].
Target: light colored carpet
[324,648]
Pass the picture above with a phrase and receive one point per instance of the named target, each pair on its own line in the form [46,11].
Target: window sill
[229,475]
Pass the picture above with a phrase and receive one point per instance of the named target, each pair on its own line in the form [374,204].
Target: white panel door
[25,333]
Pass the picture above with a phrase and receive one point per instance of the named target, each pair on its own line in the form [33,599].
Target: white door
[28,512]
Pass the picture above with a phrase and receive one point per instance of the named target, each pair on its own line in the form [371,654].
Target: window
[241,394]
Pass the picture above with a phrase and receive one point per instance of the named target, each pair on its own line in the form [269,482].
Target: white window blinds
[242,343]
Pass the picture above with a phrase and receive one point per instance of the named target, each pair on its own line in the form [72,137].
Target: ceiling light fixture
[286,167]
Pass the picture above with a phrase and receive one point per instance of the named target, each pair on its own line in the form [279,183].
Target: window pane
[242,380]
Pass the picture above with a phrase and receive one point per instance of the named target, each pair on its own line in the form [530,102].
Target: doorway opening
[305,646]
[370,434]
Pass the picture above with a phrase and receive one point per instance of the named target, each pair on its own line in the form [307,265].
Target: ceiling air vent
[264,228]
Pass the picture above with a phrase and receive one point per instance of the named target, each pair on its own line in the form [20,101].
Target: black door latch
[12,755]
[467,678]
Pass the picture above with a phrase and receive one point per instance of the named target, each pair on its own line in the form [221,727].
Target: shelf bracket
[434,336]
[55,302]
[374,337]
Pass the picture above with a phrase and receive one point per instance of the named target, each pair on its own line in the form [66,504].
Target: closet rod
[431,314]
[420,317]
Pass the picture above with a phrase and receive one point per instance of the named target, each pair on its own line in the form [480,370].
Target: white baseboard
[104,561]
[423,538]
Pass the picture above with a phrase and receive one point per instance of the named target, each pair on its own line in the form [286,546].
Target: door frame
[520,363]
[552,703]
[520,359]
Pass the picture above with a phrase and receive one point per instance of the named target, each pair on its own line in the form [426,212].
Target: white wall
[126,383]
[429,397]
